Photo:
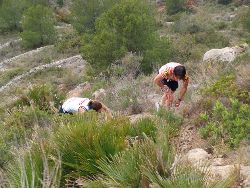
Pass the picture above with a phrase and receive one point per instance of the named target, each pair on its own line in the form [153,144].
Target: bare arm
[157,80]
[183,89]
[81,110]
[106,110]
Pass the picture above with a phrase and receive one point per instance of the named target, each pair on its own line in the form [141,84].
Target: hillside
[111,51]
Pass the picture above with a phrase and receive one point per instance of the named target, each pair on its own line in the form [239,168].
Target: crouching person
[82,105]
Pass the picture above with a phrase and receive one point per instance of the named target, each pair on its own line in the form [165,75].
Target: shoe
[157,106]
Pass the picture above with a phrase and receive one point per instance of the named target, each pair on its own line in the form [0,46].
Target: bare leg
[164,99]
[170,98]
[167,98]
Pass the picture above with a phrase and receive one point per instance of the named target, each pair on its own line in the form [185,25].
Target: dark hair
[95,105]
[180,71]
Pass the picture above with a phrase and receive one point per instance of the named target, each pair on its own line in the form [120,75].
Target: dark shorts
[61,111]
[172,84]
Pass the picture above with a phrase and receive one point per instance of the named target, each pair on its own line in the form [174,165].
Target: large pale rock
[221,172]
[245,171]
[137,117]
[218,162]
[99,93]
[198,156]
[76,92]
[245,176]
[227,54]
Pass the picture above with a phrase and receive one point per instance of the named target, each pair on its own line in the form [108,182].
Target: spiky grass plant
[35,167]
[125,168]
[87,138]
[174,121]
[128,168]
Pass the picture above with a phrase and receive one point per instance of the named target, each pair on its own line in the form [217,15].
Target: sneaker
[157,106]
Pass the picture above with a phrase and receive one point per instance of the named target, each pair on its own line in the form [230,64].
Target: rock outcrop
[227,54]
[216,168]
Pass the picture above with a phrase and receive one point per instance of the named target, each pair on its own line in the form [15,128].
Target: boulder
[221,172]
[76,92]
[218,162]
[198,157]
[245,172]
[227,54]
[99,93]
[137,117]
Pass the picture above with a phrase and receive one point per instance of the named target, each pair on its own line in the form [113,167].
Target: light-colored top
[73,104]
[167,70]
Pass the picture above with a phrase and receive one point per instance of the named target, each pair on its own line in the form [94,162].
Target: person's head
[95,105]
[180,72]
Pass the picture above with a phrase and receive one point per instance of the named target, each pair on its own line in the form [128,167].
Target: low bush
[212,39]
[68,43]
[175,6]
[224,2]
[228,124]
[86,139]
[174,122]
[246,20]
[17,127]
[35,167]
[41,97]
[227,86]
[38,27]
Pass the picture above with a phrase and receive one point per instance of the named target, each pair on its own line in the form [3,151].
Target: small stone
[218,162]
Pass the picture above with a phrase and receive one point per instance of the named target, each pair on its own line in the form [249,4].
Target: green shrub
[35,167]
[125,168]
[86,139]
[127,27]
[226,86]
[60,2]
[175,6]
[38,27]
[230,124]
[161,51]
[147,163]
[85,13]
[145,126]
[212,39]
[224,2]
[10,15]
[68,43]
[41,96]
[173,121]
[246,21]
[17,127]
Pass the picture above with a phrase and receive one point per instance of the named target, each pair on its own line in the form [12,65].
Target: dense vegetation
[124,42]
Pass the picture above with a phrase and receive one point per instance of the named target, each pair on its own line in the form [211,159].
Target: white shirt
[168,66]
[73,104]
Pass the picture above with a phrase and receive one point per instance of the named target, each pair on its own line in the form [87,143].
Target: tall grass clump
[35,167]
[41,97]
[19,126]
[86,139]
[174,121]
[147,163]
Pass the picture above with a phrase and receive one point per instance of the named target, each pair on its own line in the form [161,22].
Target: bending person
[167,79]
[81,105]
